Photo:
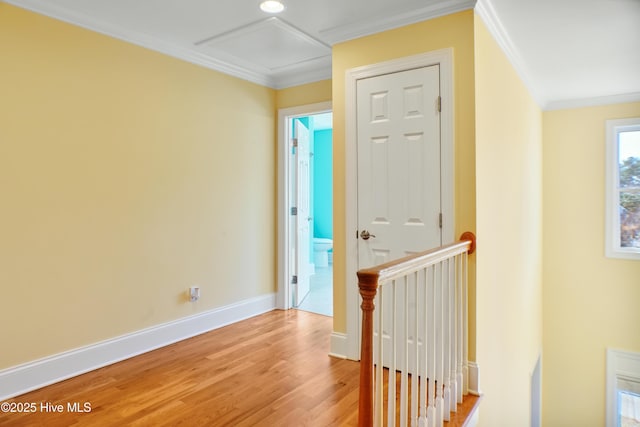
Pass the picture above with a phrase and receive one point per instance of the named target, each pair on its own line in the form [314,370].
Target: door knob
[365,235]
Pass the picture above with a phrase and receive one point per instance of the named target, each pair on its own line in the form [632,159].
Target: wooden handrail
[368,281]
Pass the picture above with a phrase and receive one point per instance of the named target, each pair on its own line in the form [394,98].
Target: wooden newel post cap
[468,235]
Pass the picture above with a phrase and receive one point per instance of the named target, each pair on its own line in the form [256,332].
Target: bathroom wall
[323,184]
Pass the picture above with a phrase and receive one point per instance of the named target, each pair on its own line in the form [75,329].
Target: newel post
[368,285]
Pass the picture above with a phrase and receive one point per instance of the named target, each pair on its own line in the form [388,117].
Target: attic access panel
[271,44]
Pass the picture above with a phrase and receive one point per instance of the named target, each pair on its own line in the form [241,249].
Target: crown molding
[334,35]
[42,7]
[193,56]
[487,13]
[297,79]
[592,102]
[378,24]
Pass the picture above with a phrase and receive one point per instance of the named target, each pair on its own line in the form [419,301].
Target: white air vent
[270,44]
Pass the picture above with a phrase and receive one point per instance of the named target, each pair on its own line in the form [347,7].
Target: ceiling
[568,52]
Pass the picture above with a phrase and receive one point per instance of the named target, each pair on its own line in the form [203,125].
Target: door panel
[303,217]
[398,126]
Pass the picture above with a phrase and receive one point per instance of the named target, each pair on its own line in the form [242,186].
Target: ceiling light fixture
[272,6]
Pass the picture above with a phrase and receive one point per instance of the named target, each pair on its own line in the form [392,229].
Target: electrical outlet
[194,293]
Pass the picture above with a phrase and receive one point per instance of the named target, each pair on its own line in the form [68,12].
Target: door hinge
[294,142]
[294,211]
[440,220]
[439,103]
[294,280]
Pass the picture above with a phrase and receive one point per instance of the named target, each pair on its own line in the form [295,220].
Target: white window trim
[612,215]
[621,366]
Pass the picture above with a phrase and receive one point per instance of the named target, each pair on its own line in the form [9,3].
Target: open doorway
[306,202]
[319,297]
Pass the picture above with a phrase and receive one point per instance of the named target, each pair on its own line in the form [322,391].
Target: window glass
[629,182]
[628,409]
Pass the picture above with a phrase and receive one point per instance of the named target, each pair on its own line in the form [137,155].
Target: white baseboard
[23,378]
[474,378]
[338,345]
[474,388]
[473,420]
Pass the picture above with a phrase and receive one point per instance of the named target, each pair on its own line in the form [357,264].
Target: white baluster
[450,400]
[404,381]
[465,327]
[424,374]
[439,342]
[415,396]
[391,391]
[459,334]
[446,393]
[454,335]
[429,305]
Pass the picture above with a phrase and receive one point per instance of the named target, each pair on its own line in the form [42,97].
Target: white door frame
[285,164]
[444,58]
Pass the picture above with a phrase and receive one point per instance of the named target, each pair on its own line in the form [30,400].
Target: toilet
[321,248]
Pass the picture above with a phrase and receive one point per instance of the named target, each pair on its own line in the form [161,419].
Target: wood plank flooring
[270,370]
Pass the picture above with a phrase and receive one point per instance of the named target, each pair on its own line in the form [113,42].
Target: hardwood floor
[270,370]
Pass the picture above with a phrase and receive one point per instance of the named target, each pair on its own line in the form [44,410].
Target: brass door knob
[366,235]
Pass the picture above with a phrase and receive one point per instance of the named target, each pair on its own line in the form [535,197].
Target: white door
[399,206]
[398,134]
[303,216]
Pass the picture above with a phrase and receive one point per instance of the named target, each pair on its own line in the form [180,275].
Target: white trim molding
[30,376]
[350,30]
[284,197]
[621,366]
[474,379]
[536,393]
[485,10]
[443,57]
[278,80]
[487,13]
[338,345]
[474,420]
[140,39]
[474,388]
[592,102]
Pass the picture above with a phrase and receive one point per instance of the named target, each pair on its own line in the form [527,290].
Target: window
[628,411]
[623,189]
[623,388]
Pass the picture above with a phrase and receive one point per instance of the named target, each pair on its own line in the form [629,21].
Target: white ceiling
[568,52]
[571,52]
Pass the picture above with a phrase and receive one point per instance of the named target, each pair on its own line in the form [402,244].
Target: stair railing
[414,350]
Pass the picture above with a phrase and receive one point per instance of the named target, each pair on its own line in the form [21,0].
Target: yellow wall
[590,301]
[509,224]
[311,93]
[126,176]
[455,31]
